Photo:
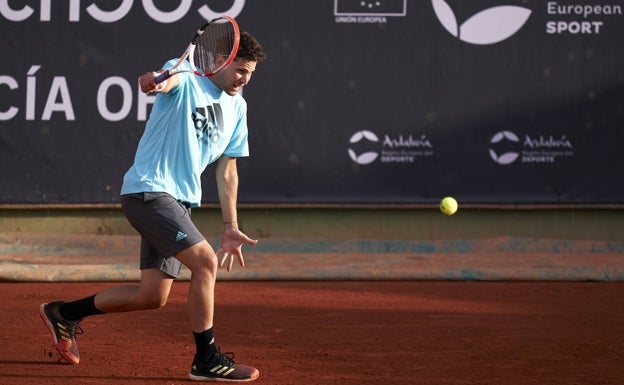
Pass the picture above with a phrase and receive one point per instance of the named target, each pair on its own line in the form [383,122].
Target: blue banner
[396,101]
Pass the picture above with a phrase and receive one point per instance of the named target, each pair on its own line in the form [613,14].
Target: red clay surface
[347,333]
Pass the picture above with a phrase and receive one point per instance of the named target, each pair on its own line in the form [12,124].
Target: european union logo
[370,7]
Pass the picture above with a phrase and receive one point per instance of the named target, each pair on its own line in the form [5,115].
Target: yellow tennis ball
[448,206]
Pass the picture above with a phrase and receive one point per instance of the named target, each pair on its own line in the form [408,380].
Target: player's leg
[63,318]
[157,272]
[209,364]
[151,293]
[202,261]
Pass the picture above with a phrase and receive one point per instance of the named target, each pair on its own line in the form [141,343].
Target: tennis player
[194,122]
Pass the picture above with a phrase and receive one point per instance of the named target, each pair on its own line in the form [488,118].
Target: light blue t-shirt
[189,127]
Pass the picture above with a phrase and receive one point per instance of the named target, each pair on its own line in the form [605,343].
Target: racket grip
[162,77]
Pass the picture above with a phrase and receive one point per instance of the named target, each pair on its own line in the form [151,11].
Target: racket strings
[214,46]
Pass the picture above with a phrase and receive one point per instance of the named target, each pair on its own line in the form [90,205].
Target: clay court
[338,332]
[364,116]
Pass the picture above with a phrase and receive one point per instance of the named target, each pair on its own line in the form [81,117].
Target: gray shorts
[165,226]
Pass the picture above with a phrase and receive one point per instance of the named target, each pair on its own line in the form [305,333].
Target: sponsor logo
[222,370]
[368,11]
[365,157]
[506,148]
[506,157]
[489,26]
[389,149]
[180,236]
[573,19]
[112,12]
[208,122]
[496,24]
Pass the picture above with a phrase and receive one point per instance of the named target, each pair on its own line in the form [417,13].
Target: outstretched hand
[231,246]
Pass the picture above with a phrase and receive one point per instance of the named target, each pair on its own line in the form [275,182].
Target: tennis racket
[213,48]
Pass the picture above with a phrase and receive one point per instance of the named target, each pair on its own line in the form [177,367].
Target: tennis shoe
[63,331]
[221,367]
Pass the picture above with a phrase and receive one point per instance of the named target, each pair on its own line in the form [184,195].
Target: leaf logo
[366,157]
[508,157]
[489,26]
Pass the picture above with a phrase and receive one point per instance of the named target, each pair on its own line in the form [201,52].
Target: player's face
[235,76]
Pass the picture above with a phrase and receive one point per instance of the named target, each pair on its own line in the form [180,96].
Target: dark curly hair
[249,48]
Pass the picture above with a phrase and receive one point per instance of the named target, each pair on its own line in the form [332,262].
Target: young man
[194,121]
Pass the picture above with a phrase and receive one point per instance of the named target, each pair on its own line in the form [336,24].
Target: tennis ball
[448,205]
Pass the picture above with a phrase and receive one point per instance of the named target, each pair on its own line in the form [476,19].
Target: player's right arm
[148,84]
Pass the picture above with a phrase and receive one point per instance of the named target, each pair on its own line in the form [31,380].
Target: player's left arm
[233,239]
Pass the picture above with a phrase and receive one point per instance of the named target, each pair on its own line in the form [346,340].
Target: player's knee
[200,259]
[158,303]
[154,301]
[205,266]
[209,263]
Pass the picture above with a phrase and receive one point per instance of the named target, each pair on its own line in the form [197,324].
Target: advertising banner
[380,102]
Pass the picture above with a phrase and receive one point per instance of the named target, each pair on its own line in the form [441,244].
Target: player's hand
[148,84]
[231,247]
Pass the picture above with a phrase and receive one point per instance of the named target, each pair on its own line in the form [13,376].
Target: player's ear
[219,60]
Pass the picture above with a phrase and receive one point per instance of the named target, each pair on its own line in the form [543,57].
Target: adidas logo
[218,369]
[63,332]
[180,236]
[222,370]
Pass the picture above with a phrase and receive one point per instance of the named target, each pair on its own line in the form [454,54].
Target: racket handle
[162,77]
